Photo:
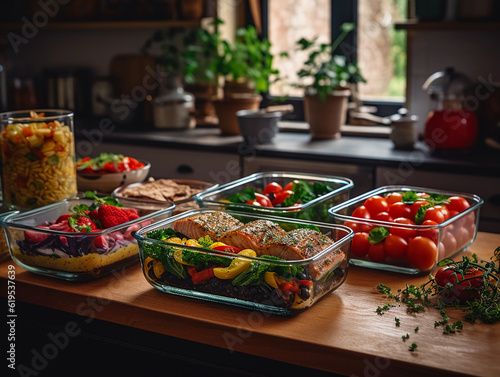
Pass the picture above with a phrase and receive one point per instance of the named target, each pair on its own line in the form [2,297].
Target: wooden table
[340,334]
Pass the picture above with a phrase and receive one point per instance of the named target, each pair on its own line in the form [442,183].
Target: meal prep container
[73,256]
[151,204]
[315,210]
[451,236]
[162,270]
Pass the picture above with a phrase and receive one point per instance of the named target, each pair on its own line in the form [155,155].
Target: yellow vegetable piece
[178,258]
[237,266]
[215,244]
[175,240]
[192,242]
[224,201]
[272,279]
[158,269]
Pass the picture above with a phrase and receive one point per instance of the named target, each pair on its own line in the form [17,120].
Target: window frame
[341,11]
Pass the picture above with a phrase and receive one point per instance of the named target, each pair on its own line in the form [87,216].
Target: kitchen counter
[340,334]
[295,142]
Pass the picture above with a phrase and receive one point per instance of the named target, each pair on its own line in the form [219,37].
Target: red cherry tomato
[263,200]
[361,212]
[281,196]
[253,202]
[449,244]
[395,246]
[376,252]
[406,233]
[383,216]
[444,210]
[434,214]
[432,232]
[272,187]
[399,209]
[394,197]
[446,275]
[422,253]
[360,245]
[289,186]
[376,204]
[457,203]
[416,206]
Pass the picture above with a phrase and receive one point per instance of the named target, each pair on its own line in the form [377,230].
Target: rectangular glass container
[76,256]
[277,286]
[449,237]
[314,210]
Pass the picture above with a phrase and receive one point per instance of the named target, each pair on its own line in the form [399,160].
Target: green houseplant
[326,79]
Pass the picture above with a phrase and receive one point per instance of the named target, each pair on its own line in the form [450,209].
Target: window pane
[290,20]
[381,49]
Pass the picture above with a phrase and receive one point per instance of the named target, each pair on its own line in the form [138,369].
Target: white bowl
[107,182]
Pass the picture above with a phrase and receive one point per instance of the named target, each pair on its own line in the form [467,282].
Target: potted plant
[247,69]
[326,79]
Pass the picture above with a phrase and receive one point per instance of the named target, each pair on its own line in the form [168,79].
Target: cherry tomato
[354,226]
[449,244]
[361,212]
[399,209]
[383,216]
[406,233]
[281,196]
[253,202]
[376,252]
[360,244]
[422,253]
[376,204]
[444,210]
[416,206]
[452,212]
[394,197]
[432,232]
[434,214]
[289,186]
[457,203]
[272,187]
[446,275]
[395,246]
[263,200]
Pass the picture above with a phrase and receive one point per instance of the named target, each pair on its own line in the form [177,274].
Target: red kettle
[449,125]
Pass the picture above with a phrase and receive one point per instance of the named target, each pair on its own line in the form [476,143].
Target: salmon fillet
[213,224]
[254,235]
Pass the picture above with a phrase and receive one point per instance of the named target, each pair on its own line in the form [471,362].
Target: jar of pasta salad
[38,158]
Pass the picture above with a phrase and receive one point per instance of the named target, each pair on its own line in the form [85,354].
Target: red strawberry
[132,213]
[61,218]
[110,216]
[94,214]
[101,241]
[83,224]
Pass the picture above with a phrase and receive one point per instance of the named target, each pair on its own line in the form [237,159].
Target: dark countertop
[361,150]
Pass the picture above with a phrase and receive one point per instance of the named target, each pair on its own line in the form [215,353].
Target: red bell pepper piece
[227,248]
[203,275]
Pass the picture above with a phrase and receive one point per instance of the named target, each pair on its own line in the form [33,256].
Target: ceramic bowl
[106,183]
[258,127]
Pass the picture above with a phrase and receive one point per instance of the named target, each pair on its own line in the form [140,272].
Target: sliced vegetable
[237,266]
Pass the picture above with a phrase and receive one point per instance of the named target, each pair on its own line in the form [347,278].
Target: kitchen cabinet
[170,162]
[485,187]
[362,176]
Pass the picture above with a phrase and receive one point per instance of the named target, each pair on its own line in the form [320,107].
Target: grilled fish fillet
[254,235]
[213,224]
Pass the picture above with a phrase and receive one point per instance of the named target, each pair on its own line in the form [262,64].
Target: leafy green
[205,241]
[377,235]
[420,215]
[164,254]
[248,193]
[409,197]
[161,234]
[200,259]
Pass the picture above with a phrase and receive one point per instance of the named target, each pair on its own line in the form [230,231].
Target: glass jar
[173,107]
[38,158]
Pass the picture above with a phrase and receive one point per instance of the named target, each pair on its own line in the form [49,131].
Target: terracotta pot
[326,117]
[226,111]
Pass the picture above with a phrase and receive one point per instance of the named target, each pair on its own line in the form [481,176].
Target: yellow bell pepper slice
[192,242]
[237,266]
[215,244]
[272,278]
[175,240]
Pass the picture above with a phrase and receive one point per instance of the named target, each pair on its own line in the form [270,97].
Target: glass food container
[76,256]
[242,278]
[436,240]
[38,158]
[330,191]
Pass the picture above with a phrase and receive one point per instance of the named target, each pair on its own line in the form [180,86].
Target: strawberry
[101,241]
[32,236]
[131,212]
[110,216]
[61,218]
[94,214]
[84,224]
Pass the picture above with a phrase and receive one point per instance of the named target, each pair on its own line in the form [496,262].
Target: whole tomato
[422,253]
[376,204]
[395,246]
[263,200]
[360,244]
[377,252]
[272,187]
[406,233]
[399,209]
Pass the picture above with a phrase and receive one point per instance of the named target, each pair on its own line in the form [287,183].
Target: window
[379,49]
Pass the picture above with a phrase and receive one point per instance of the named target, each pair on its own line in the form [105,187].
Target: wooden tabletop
[341,333]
